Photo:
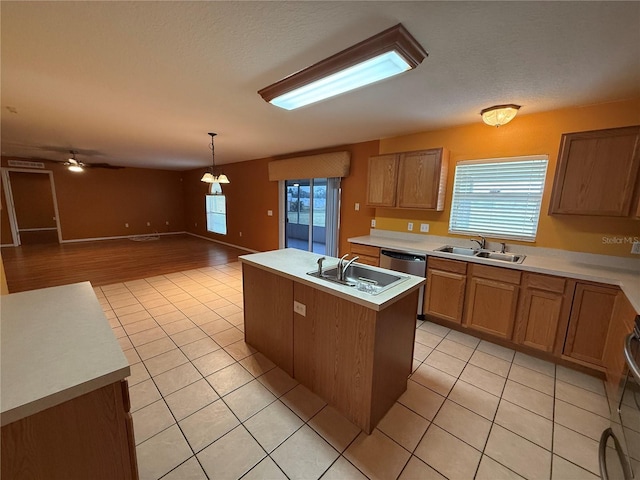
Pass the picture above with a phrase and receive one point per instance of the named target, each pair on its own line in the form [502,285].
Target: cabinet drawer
[496,273]
[366,260]
[545,282]
[369,251]
[453,266]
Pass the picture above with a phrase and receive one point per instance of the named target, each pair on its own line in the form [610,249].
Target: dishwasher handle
[407,257]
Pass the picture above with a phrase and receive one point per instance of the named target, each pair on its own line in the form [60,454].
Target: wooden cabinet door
[382,180]
[444,295]
[589,322]
[622,322]
[491,306]
[366,254]
[268,315]
[422,179]
[543,307]
[597,172]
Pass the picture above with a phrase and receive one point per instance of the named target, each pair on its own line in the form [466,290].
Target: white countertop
[569,264]
[56,344]
[295,264]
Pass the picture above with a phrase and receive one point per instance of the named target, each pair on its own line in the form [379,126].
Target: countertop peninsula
[56,345]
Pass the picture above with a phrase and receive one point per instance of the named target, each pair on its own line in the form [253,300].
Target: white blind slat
[498,197]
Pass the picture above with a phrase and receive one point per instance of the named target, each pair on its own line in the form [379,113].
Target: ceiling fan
[76,165]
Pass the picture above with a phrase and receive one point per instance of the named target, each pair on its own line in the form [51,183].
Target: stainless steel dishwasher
[406,262]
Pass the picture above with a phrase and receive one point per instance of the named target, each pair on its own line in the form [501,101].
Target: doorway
[31,206]
[311,214]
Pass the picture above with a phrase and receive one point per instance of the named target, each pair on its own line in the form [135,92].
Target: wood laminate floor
[109,261]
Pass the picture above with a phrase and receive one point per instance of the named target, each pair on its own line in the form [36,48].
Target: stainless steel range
[619,450]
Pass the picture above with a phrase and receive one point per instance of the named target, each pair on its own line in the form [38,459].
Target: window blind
[499,197]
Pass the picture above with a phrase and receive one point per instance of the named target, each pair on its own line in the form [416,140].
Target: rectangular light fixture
[382,56]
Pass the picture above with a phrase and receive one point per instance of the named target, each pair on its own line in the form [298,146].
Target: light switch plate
[424,227]
[410,226]
[300,308]
[270,213]
[635,248]
[357,207]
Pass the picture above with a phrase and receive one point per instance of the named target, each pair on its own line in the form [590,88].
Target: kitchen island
[352,348]
[65,403]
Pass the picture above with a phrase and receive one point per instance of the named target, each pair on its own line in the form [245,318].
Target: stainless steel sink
[363,278]
[457,250]
[491,255]
[503,257]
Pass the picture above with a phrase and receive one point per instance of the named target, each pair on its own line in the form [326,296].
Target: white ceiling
[141,83]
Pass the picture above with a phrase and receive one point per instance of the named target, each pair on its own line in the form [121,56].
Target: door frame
[11,209]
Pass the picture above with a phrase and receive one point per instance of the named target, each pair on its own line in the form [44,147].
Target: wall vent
[25,163]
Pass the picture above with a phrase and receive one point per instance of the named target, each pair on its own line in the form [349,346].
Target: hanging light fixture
[74,165]
[499,114]
[209,176]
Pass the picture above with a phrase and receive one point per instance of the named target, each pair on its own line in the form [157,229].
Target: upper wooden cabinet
[408,180]
[597,173]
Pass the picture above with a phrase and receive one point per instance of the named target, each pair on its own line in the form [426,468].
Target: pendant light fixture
[384,55]
[499,114]
[210,176]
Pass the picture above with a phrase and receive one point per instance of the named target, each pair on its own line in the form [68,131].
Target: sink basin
[502,257]
[457,250]
[363,278]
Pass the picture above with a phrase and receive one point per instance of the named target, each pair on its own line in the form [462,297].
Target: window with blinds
[498,197]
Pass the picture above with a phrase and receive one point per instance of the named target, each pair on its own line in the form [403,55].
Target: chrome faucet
[342,270]
[320,260]
[503,247]
[482,242]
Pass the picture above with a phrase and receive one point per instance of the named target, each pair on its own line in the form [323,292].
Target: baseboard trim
[119,237]
[223,243]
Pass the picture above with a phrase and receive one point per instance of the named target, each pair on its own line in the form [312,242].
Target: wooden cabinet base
[87,437]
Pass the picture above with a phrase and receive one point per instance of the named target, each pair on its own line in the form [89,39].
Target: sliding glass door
[311,211]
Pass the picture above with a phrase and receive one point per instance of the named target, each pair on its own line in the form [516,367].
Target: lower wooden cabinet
[492,299]
[543,311]
[90,436]
[268,300]
[367,254]
[622,323]
[444,293]
[591,316]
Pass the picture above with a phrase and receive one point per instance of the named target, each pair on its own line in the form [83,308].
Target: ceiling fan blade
[103,165]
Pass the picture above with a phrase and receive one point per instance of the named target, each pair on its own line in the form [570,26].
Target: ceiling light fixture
[209,176]
[382,56]
[74,165]
[499,114]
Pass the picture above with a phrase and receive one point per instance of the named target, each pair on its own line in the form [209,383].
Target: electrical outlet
[410,226]
[300,308]
[167,222]
[240,233]
[126,225]
[148,224]
[635,248]
[424,227]
[357,207]
[196,224]
[269,213]
[373,223]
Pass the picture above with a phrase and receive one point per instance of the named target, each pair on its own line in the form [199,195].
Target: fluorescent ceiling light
[382,56]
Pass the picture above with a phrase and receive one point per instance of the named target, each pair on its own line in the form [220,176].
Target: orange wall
[526,135]
[250,194]
[98,202]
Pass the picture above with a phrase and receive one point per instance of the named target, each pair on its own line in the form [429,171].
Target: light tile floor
[206,405]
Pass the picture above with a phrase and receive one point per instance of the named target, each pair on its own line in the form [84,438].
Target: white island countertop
[294,264]
[56,344]
[618,271]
